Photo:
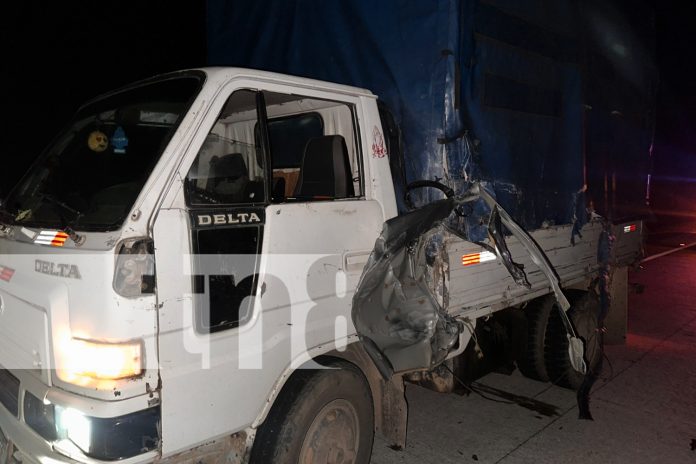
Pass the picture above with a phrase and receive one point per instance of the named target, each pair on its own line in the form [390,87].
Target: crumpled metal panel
[399,306]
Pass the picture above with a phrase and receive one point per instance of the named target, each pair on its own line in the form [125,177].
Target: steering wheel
[449,193]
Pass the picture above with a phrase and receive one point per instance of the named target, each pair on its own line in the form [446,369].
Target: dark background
[57,55]
[674,193]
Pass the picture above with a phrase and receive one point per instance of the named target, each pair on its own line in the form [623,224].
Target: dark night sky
[57,55]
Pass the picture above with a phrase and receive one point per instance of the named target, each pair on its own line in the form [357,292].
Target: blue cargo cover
[487,91]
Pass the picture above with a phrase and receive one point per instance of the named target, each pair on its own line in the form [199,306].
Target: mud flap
[383,365]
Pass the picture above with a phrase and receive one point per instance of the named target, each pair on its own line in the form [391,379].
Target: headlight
[75,426]
[108,439]
[134,275]
[80,359]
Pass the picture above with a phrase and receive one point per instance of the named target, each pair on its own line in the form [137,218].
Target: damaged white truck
[209,266]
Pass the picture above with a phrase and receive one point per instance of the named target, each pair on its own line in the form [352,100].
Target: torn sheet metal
[604,253]
[580,216]
[536,253]
[400,305]
[495,229]
[398,308]
[575,344]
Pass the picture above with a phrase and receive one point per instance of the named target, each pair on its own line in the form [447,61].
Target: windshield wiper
[67,225]
[53,200]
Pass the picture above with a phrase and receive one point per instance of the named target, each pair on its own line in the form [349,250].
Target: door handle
[355,261]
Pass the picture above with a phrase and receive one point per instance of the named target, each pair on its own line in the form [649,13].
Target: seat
[325,170]
[228,177]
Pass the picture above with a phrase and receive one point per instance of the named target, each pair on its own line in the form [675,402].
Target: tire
[532,362]
[583,313]
[322,416]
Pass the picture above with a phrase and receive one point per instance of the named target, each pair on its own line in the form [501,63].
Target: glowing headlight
[100,361]
[72,424]
[103,438]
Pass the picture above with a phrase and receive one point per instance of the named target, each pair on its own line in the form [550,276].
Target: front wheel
[322,416]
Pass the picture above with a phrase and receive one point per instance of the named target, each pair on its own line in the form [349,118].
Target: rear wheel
[583,313]
[532,363]
[322,416]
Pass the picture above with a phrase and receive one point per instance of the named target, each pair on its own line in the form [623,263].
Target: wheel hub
[334,435]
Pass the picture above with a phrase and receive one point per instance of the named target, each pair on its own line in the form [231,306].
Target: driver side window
[313,145]
[229,166]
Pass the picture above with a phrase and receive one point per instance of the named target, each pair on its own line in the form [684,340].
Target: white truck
[178,276]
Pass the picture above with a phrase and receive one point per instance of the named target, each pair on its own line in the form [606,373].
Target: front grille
[9,391]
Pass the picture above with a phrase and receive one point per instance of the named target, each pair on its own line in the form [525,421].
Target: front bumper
[20,443]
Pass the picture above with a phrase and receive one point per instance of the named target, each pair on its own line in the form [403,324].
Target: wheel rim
[333,436]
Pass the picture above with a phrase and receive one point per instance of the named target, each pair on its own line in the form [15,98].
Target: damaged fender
[399,305]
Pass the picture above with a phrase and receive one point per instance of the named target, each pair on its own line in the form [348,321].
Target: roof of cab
[226,73]
[221,75]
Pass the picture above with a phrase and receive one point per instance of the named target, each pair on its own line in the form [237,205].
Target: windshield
[92,173]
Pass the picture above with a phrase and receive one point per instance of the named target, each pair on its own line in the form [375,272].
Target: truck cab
[181,247]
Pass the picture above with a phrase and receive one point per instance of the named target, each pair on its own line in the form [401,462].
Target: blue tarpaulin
[482,90]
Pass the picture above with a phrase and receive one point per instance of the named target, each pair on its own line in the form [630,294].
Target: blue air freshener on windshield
[119,140]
